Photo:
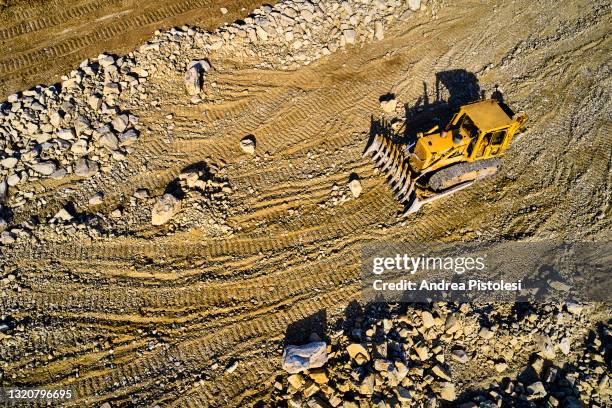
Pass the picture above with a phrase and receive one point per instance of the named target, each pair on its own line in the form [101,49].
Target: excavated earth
[143,315]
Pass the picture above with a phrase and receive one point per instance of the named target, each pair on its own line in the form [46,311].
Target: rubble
[386,355]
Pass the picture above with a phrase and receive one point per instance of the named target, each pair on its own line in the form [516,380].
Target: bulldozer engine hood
[430,148]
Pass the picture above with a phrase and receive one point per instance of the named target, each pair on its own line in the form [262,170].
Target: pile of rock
[76,128]
[431,357]
[287,35]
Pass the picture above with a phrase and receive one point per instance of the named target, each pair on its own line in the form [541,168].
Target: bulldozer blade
[417,204]
[391,159]
[373,147]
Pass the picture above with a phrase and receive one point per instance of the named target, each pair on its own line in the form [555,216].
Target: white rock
[96,199]
[45,168]
[447,391]
[193,81]
[355,187]
[389,105]
[349,36]
[379,32]
[109,141]
[414,5]
[95,102]
[86,168]
[3,190]
[304,357]
[13,180]
[7,237]
[9,162]
[66,134]
[63,215]
[167,206]
[120,123]
[428,320]
[247,144]
[128,138]
[223,10]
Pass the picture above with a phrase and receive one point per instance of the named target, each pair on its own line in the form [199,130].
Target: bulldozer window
[486,140]
[468,127]
[498,137]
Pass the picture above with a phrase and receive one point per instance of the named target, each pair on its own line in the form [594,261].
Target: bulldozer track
[36,23]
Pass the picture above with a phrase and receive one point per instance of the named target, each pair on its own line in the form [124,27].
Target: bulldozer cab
[488,128]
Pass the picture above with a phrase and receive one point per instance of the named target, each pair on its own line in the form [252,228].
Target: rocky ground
[173,211]
[394,356]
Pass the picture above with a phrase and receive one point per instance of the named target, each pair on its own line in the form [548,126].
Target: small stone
[366,387]
[95,102]
[109,140]
[447,391]
[388,105]
[318,375]
[428,320]
[486,333]
[3,190]
[379,33]
[501,367]
[574,308]
[120,123]
[414,5]
[452,324]
[536,391]
[128,138]
[403,394]
[141,193]
[441,372]
[12,181]
[9,162]
[111,88]
[58,174]
[358,353]
[247,144]
[459,356]
[105,60]
[7,238]
[296,381]
[63,215]
[422,352]
[46,168]
[86,168]
[355,187]
[232,367]
[96,198]
[193,81]
[223,10]
[164,209]
[564,346]
[349,36]
[304,357]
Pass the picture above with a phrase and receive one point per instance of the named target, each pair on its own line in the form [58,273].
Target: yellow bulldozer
[439,163]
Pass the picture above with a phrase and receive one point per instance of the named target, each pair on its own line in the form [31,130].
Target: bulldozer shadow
[452,89]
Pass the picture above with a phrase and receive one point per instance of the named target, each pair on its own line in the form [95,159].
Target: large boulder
[299,358]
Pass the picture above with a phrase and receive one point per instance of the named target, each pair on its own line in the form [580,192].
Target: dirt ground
[133,320]
[41,40]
